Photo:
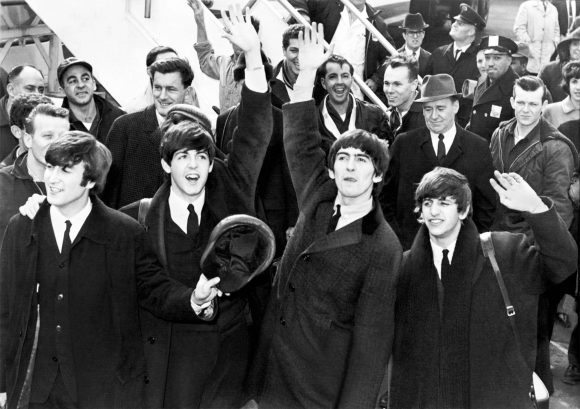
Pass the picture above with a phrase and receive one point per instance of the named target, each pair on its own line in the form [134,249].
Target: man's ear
[27,140]
[331,173]
[166,167]
[90,184]
[464,213]
[323,83]
[16,131]
[377,178]
[513,102]
[10,90]
[189,96]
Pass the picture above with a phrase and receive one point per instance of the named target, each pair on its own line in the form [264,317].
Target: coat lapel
[151,127]
[427,148]
[456,149]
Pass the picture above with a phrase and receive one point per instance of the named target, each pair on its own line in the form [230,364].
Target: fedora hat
[523,51]
[470,16]
[414,22]
[239,248]
[437,87]
[565,43]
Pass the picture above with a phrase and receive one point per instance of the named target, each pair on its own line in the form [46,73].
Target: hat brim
[232,222]
[497,51]
[437,97]
[425,25]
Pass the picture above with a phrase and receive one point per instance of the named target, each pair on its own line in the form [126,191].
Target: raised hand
[30,208]
[515,193]
[239,29]
[197,8]
[311,46]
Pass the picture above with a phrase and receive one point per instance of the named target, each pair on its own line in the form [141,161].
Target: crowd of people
[137,242]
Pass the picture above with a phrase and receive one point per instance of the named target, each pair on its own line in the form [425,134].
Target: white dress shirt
[59,226]
[448,138]
[178,208]
[438,255]
[352,213]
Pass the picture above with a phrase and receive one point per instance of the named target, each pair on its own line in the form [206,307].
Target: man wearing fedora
[442,142]
[458,59]
[204,364]
[414,33]
[520,60]
[568,50]
[491,103]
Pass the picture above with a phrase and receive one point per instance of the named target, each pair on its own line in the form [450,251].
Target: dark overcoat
[136,169]
[327,334]
[412,155]
[442,61]
[423,59]
[499,375]
[230,189]
[134,276]
[491,105]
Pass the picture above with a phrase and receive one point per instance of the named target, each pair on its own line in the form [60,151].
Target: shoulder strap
[144,205]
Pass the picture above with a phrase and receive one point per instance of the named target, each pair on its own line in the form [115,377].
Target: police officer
[491,103]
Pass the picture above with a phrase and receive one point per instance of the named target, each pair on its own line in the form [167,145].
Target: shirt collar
[410,52]
[178,208]
[351,213]
[450,134]
[77,221]
[438,254]
[463,49]
[568,106]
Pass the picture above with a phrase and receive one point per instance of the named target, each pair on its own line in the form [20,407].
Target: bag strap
[144,205]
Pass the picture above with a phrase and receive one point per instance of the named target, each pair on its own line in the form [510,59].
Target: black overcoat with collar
[487,101]
[136,170]
[442,61]
[499,375]
[423,59]
[327,334]
[135,278]
[412,155]
[230,189]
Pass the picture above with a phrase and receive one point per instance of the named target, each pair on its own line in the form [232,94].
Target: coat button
[54,359]
[151,340]
[59,297]
[58,328]
[61,265]
[474,111]
[292,288]
[282,321]
[306,257]
[485,115]
[146,379]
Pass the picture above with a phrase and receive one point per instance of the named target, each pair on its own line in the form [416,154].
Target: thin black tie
[66,243]
[440,148]
[395,120]
[192,222]
[334,220]
[445,267]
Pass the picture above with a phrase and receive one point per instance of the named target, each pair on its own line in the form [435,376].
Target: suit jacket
[327,334]
[328,12]
[136,169]
[442,61]
[484,117]
[423,59]
[412,155]
[499,375]
[134,276]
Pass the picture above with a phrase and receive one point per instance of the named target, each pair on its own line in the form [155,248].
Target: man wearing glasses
[414,34]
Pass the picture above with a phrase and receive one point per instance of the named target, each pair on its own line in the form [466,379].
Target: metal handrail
[359,81]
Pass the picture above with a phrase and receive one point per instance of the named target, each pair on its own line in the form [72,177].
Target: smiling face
[397,86]
[78,85]
[354,174]
[168,90]
[189,170]
[46,129]
[64,188]
[291,55]
[337,82]
[442,218]
[440,115]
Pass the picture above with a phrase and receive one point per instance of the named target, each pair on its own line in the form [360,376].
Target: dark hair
[369,143]
[172,64]
[44,109]
[441,183]
[569,71]
[23,106]
[402,60]
[74,147]
[188,135]
[530,83]
[15,72]
[155,51]
[336,59]
[291,33]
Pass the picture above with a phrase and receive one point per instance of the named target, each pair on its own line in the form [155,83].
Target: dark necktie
[440,148]
[334,220]
[445,267]
[395,120]
[192,222]
[66,243]
[457,53]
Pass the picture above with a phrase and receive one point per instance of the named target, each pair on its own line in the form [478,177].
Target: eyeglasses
[415,33]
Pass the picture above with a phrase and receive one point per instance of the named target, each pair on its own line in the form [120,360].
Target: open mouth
[193,178]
